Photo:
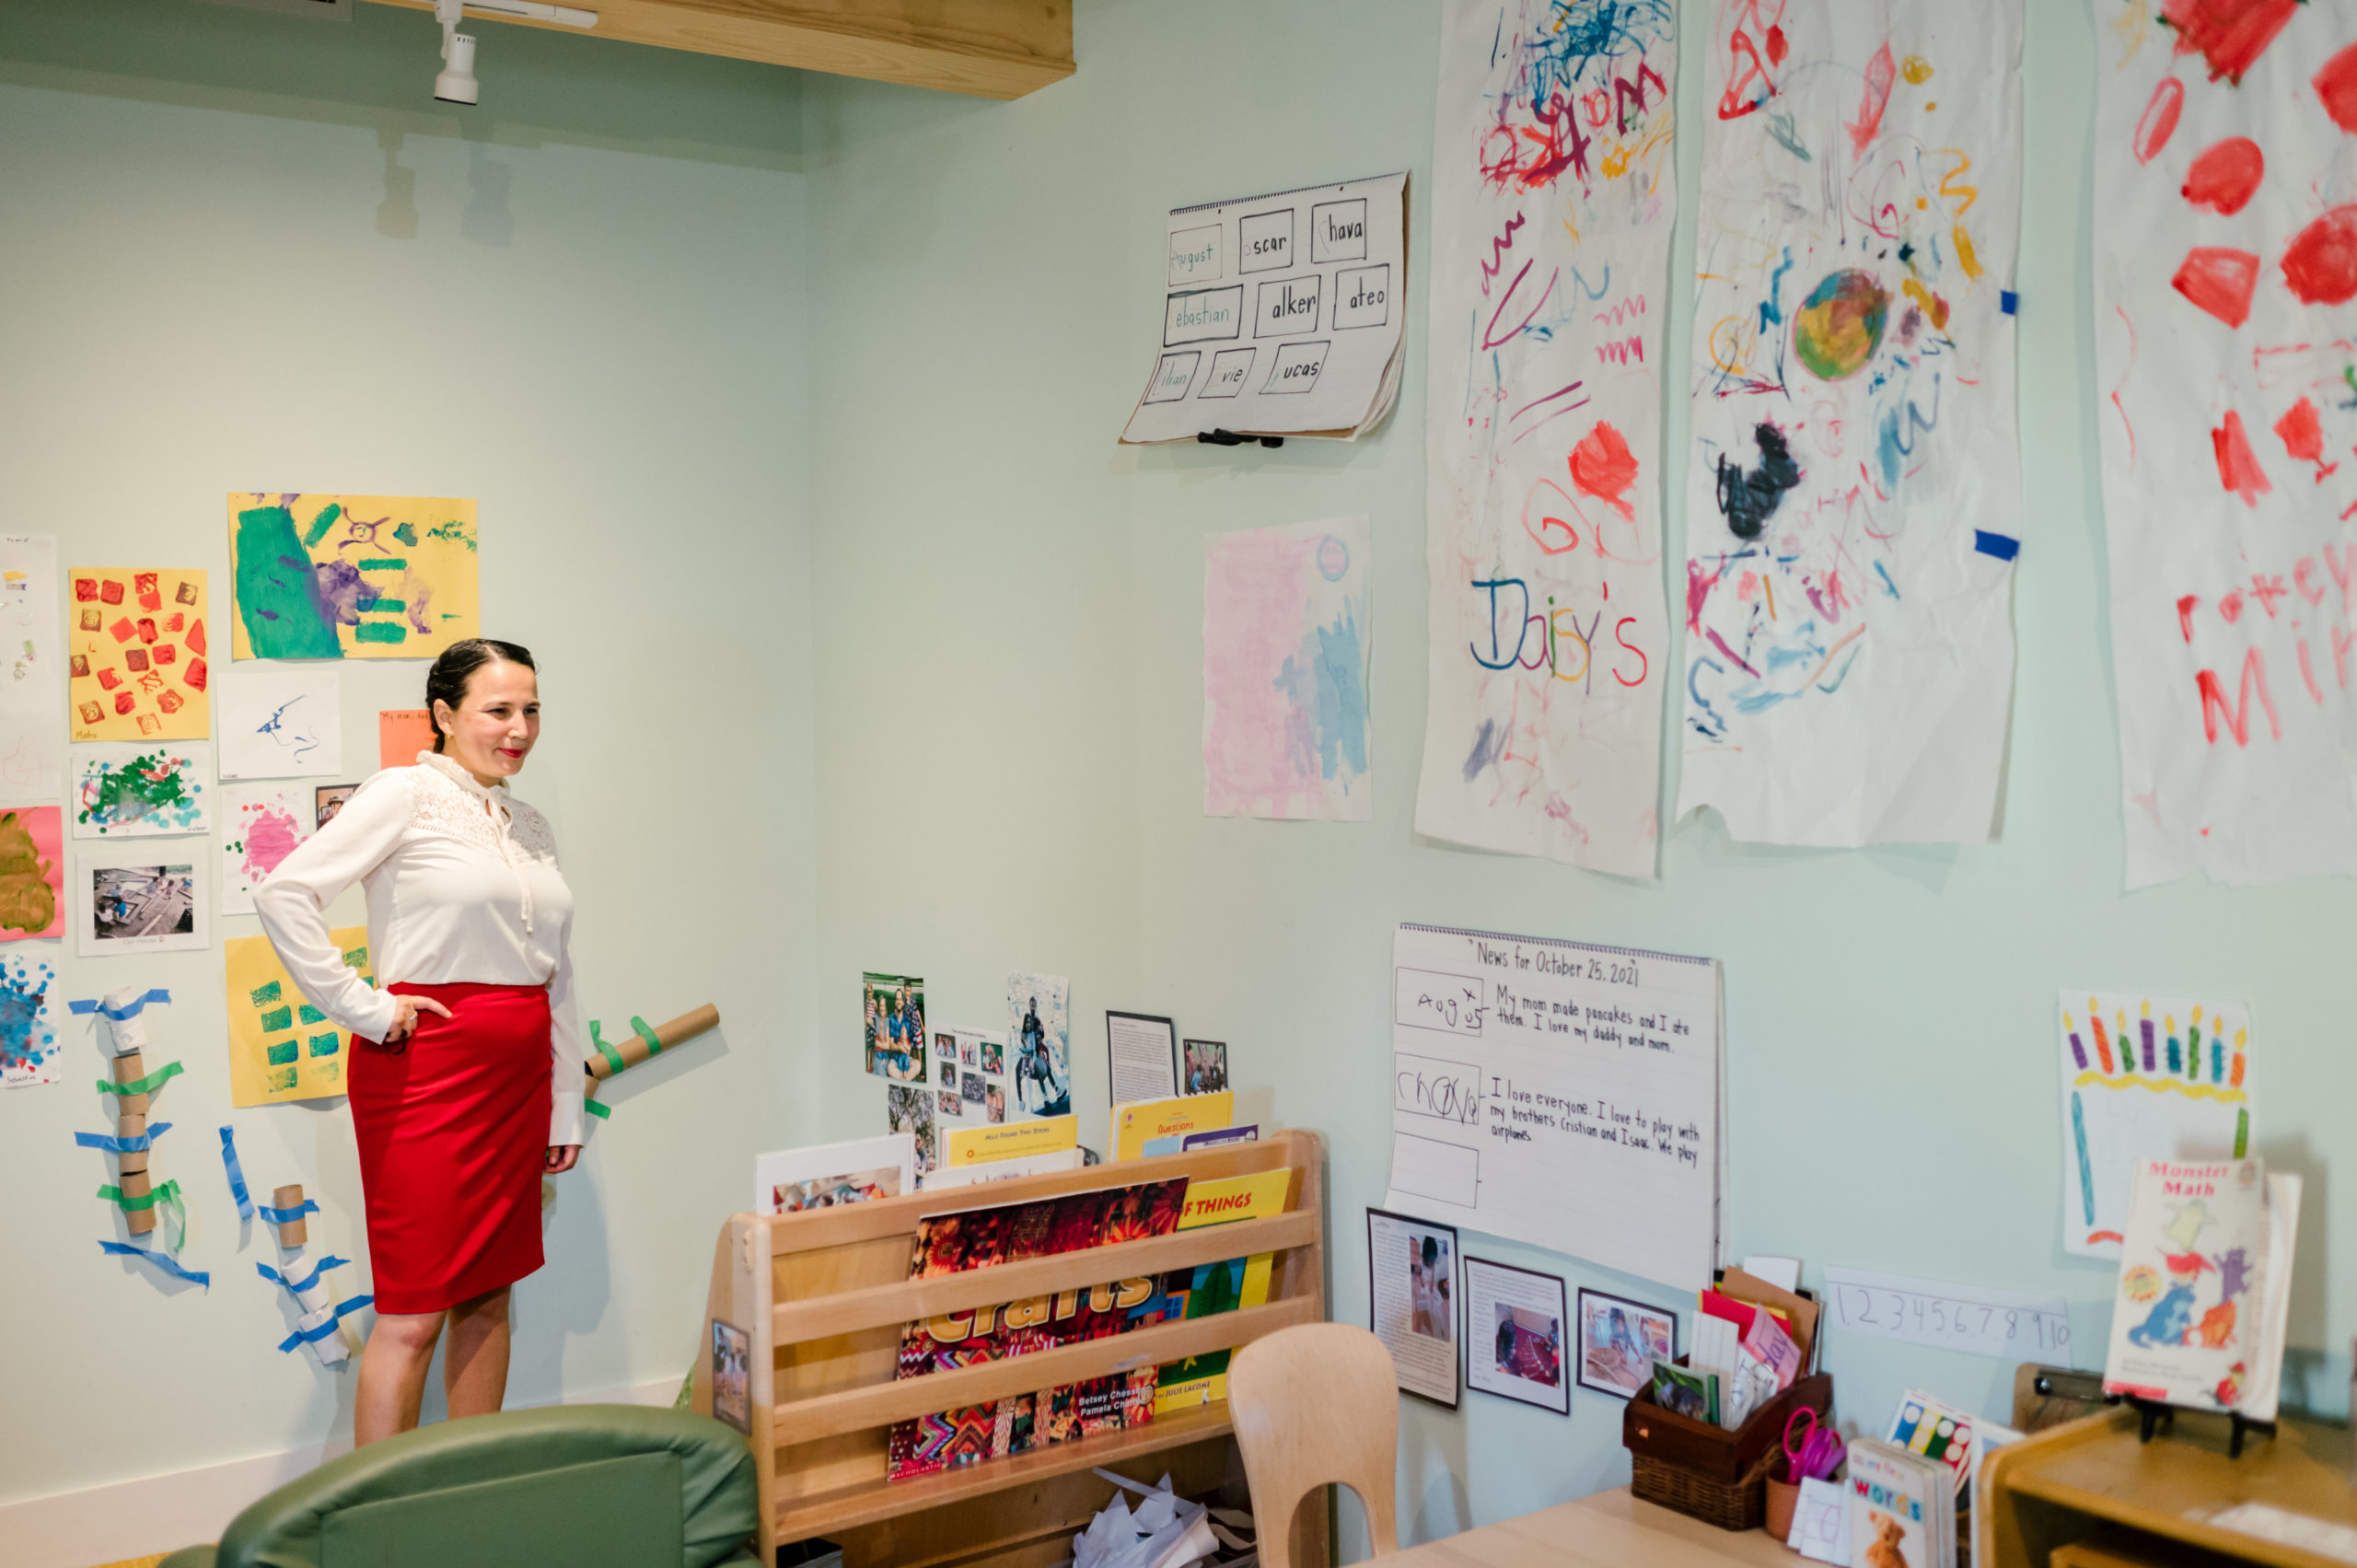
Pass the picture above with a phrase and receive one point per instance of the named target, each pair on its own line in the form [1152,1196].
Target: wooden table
[1610,1529]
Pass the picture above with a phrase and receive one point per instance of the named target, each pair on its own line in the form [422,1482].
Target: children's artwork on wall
[892,1026]
[1038,1016]
[351,576]
[2144,1077]
[281,722]
[29,1053]
[150,898]
[280,1047]
[32,872]
[260,825]
[907,1107]
[31,657]
[1553,195]
[401,734]
[1853,494]
[126,792]
[136,654]
[1287,633]
[327,800]
[2226,253]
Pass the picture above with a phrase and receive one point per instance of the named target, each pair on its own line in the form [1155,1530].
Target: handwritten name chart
[1526,1070]
[1281,315]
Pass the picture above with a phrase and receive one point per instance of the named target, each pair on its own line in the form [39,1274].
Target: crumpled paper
[1164,1531]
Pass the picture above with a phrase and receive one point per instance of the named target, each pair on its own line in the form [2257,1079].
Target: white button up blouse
[463,889]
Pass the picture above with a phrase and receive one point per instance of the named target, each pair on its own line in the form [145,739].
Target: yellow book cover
[1139,1122]
[1224,1287]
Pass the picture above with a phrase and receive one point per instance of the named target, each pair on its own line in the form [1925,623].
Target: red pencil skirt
[453,1128]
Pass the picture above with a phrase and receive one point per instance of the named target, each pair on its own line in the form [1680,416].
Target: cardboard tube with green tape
[643,1043]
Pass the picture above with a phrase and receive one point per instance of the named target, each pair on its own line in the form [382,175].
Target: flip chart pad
[1526,1069]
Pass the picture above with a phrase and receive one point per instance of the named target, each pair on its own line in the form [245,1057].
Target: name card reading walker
[1933,1312]
[1524,1069]
[1281,315]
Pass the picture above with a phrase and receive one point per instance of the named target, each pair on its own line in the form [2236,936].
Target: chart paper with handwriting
[1559,1094]
[1282,315]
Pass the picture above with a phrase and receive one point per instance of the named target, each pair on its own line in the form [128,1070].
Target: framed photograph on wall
[1411,1266]
[1514,1335]
[1620,1341]
[1206,1067]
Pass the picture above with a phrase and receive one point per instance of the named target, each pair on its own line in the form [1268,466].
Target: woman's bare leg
[475,1367]
[392,1374]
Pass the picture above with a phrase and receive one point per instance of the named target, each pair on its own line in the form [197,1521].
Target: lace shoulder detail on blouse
[530,831]
[438,806]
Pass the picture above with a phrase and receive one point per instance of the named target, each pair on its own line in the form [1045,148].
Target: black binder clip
[1230,438]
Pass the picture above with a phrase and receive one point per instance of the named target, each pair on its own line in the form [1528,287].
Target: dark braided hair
[446,681]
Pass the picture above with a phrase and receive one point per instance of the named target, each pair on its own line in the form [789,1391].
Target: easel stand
[823,1296]
[2152,1415]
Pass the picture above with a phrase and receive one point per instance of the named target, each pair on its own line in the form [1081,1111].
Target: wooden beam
[984,48]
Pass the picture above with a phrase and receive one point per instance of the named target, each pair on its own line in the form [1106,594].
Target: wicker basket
[1717,1476]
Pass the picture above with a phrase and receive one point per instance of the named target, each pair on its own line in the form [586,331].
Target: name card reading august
[1524,1068]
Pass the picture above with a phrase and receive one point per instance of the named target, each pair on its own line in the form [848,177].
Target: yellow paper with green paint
[280,1047]
[351,576]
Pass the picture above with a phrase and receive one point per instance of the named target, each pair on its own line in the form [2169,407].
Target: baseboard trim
[164,1513]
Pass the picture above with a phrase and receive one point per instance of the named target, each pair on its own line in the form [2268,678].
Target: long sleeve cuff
[565,1116]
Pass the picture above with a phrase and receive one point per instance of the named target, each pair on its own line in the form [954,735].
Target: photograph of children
[969,1051]
[1038,1014]
[1620,1341]
[1430,1311]
[970,1084]
[995,1102]
[1514,1338]
[893,1026]
[909,1110]
[1206,1067]
[994,1057]
[1412,1305]
[949,1071]
[125,907]
[833,1192]
[731,1354]
[327,799]
[951,1105]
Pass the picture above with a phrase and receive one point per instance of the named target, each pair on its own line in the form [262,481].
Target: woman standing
[466,1069]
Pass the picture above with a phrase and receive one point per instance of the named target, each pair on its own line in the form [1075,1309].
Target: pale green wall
[1009,712]
[584,305]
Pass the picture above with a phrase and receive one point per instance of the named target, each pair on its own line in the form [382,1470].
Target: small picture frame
[731,1356]
[1204,1067]
[1515,1339]
[1619,1339]
[327,799]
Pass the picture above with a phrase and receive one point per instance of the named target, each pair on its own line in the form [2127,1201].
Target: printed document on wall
[1853,496]
[1281,315]
[1554,193]
[1526,1068]
[2226,264]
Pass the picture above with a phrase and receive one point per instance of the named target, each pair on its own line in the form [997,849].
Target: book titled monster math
[2205,1275]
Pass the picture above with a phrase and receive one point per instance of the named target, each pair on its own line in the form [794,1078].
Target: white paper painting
[32,728]
[1853,493]
[260,825]
[279,721]
[1553,193]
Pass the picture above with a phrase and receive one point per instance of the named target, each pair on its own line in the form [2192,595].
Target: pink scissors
[1812,1450]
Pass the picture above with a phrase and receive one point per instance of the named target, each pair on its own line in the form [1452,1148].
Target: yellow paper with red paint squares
[137,654]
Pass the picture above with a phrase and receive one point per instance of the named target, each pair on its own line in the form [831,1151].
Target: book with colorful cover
[977,1238]
[1902,1508]
[1209,1289]
[1936,1430]
[2192,1323]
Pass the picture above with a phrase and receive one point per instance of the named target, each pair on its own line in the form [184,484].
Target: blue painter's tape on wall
[2009,302]
[1996,544]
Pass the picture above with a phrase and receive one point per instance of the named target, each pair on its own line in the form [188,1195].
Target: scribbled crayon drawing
[351,576]
[138,653]
[1853,492]
[29,1053]
[280,721]
[280,1047]
[2144,1077]
[260,825]
[1553,196]
[32,656]
[2226,263]
[141,791]
[32,872]
[1286,638]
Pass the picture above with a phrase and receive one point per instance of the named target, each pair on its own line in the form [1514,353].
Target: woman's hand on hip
[561,1157]
[405,1020]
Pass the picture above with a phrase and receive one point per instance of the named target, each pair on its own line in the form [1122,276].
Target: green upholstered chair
[574,1486]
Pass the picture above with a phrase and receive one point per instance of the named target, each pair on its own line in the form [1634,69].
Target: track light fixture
[455,82]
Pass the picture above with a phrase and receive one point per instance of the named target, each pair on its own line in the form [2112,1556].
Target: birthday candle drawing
[2193,1047]
[2119,1033]
[2217,1059]
[2086,1168]
[2242,1132]
[2145,1023]
[2242,1037]
[2103,1041]
[2078,1052]
[2176,1049]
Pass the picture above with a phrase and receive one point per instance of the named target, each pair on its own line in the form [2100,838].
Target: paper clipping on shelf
[1282,315]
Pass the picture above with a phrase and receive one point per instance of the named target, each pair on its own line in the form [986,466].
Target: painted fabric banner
[1554,193]
[2225,260]
[1853,508]
[1287,633]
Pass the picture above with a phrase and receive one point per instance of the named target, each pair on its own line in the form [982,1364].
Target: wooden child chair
[1313,1404]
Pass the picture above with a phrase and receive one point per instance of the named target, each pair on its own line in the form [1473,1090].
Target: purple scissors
[1812,1450]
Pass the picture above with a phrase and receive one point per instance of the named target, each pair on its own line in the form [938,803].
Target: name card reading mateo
[1281,315]
[1526,1068]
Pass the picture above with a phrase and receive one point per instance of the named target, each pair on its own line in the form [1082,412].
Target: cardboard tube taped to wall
[291,1233]
[134,1184]
[129,1125]
[633,1048]
[133,1162]
[128,1069]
